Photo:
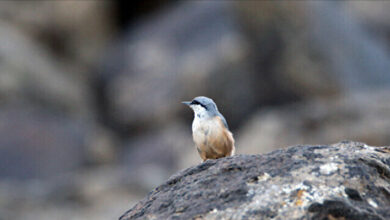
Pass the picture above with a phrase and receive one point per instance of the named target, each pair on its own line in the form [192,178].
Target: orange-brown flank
[213,140]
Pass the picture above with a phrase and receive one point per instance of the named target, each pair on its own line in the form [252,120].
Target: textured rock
[348,180]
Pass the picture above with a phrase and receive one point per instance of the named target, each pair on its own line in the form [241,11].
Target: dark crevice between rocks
[353,194]
[311,156]
[386,193]
[333,209]
[268,213]
[382,169]
[381,193]
[355,208]
[253,179]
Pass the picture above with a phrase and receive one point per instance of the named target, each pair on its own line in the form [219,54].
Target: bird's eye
[194,102]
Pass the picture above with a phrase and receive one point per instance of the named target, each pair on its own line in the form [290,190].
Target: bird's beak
[186,103]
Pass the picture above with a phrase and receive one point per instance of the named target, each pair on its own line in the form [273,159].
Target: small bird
[210,131]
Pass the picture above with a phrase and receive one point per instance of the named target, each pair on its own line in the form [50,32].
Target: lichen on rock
[347,180]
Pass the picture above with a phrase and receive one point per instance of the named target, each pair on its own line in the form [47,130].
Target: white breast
[202,128]
[200,117]
[201,122]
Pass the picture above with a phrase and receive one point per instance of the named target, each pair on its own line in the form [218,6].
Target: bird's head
[202,106]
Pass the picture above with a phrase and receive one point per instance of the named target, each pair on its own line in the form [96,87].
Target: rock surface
[347,180]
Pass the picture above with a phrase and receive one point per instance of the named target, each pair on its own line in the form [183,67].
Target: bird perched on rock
[210,131]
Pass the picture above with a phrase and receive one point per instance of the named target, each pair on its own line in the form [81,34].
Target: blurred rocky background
[90,91]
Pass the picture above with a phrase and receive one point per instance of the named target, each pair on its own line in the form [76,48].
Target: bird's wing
[223,120]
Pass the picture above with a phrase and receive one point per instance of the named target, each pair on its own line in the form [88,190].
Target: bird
[210,131]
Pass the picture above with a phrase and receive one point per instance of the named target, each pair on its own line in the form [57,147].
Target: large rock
[29,74]
[37,143]
[76,31]
[317,47]
[348,180]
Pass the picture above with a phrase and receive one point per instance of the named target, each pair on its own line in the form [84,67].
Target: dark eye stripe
[194,102]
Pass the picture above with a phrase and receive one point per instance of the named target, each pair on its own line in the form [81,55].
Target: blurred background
[90,91]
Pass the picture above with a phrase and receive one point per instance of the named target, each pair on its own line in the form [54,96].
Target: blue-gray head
[202,104]
[204,108]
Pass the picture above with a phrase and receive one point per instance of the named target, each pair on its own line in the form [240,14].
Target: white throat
[200,113]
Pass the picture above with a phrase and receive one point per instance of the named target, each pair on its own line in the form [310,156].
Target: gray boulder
[37,143]
[363,116]
[347,180]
